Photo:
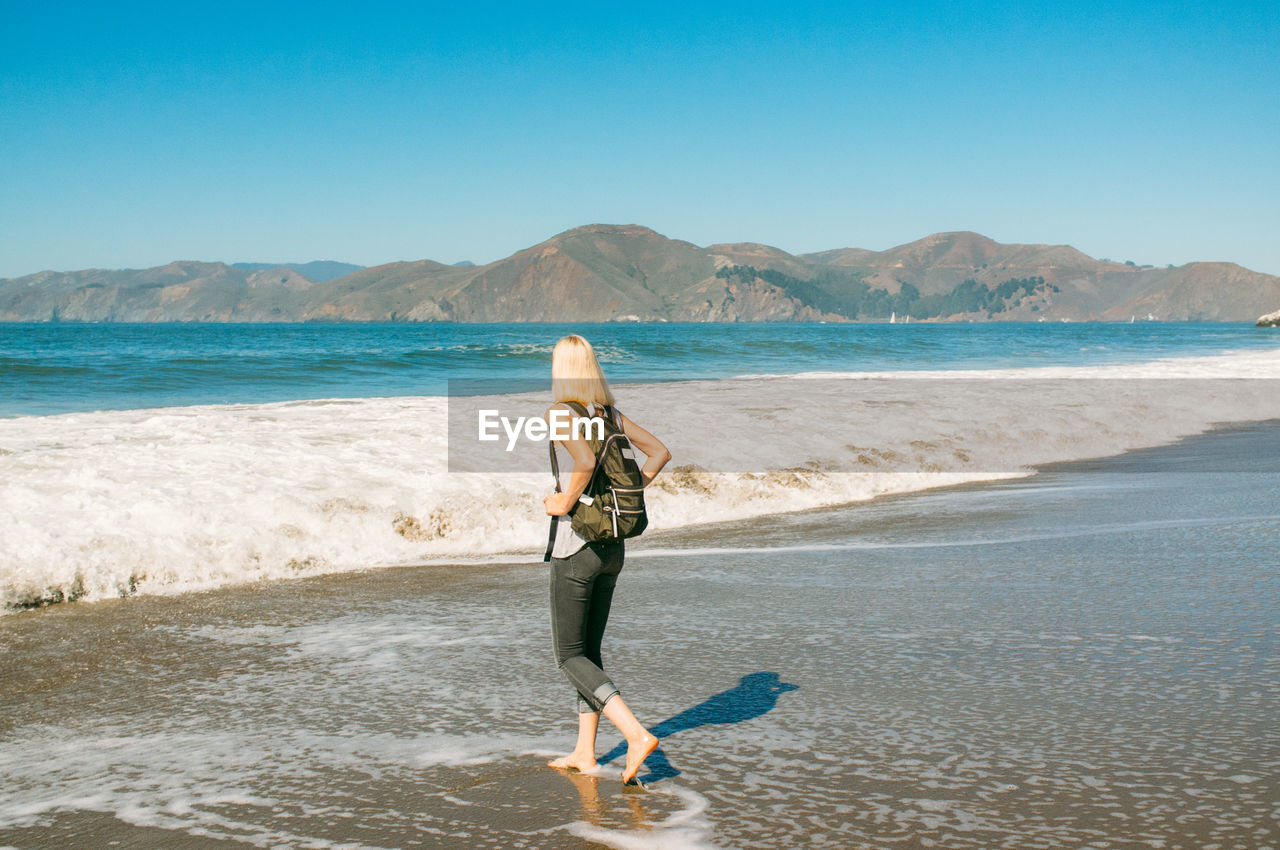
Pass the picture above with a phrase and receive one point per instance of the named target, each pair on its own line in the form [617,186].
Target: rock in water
[1271,320]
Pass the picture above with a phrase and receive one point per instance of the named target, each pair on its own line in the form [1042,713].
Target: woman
[583,574]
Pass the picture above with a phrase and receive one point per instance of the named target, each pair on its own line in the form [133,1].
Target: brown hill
[179,291]
[938,263]
[593,273]
[628,272]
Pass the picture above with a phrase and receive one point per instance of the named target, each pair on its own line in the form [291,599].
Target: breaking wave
[114,503]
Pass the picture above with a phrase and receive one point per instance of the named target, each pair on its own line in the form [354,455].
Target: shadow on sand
[756,694]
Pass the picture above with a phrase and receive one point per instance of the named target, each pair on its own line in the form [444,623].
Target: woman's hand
[558,504]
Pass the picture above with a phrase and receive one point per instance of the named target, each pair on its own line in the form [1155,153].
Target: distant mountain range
[631,273]
[321,271]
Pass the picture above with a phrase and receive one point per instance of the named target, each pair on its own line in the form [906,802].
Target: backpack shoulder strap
[551,539]
[577,408]
[555,463]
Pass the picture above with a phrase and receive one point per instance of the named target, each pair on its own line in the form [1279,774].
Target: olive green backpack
[612,506]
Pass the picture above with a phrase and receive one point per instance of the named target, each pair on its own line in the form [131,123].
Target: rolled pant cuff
[596,700]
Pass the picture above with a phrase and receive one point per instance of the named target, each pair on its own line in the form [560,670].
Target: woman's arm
[584,463]
[656,454]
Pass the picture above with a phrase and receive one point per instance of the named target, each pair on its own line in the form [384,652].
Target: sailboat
[893,317]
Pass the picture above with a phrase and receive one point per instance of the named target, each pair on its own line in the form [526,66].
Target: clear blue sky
[135,134]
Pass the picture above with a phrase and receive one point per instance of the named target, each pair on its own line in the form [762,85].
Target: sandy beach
[931,345]
[1083,657]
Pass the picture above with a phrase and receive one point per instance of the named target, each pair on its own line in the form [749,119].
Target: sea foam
[113,503]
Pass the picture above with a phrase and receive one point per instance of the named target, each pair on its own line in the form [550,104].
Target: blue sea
[61,368]
[903,586]
[141,459]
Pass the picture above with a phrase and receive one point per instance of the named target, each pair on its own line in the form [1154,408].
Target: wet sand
[1086,657]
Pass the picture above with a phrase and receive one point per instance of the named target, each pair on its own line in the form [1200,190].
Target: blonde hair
[576,374]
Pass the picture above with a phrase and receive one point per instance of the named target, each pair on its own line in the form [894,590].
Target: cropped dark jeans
[581,593]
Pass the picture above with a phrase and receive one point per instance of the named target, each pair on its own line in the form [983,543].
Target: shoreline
[981,665]
[1144,459]
[177,499]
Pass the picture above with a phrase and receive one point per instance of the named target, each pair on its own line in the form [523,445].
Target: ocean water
[64,368]
[963,586]
[167,459]
[1084,658]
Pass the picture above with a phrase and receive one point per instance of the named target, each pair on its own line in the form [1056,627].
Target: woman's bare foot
[574,761]
[637,752]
